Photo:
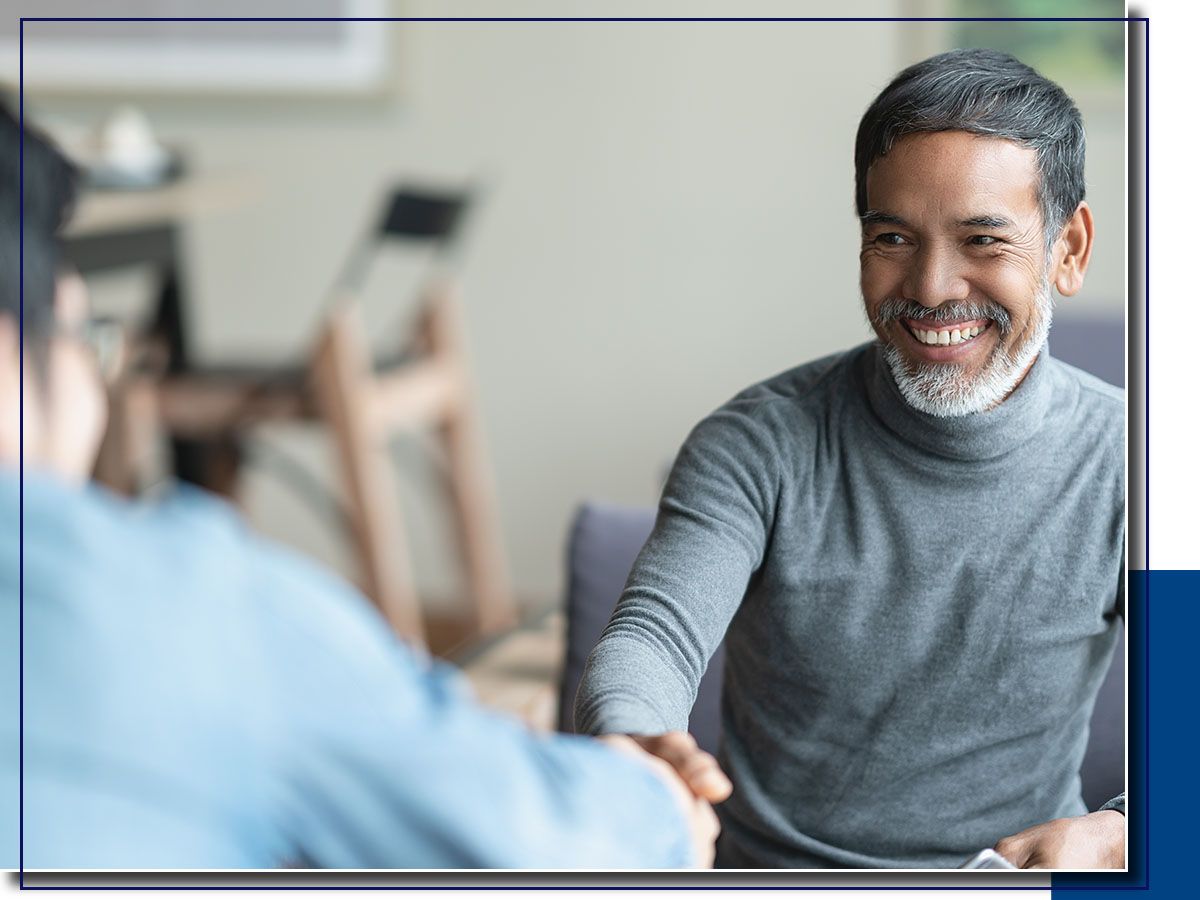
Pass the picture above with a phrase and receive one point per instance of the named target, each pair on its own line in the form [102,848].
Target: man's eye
[983,240]
[890,238]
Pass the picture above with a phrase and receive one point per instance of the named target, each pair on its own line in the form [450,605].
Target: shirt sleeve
[688,581]
[382,760]
[1117,803]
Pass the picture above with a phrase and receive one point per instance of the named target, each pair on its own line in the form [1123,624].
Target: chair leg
[341,376]
[475,515]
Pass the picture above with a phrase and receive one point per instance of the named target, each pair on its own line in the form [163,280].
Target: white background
[1174,407]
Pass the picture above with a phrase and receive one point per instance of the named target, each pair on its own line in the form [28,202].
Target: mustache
[894,308]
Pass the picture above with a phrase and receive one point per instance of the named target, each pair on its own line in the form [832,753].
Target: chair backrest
[604,542]
[411,214]
[416,213]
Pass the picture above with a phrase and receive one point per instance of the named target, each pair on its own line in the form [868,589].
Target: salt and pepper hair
[989,93]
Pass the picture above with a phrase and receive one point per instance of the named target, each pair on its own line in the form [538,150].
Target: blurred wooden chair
[365,406]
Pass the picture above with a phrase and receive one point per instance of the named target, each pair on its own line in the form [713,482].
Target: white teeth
[946,338]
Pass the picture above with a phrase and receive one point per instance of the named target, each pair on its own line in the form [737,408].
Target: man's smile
[940,342]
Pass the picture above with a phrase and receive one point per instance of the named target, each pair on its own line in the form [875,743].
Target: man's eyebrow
[875,217]
[989,221]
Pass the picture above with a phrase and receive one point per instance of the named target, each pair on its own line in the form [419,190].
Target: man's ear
[1072,251]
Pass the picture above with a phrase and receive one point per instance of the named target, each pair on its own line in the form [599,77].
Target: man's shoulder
[184,526]
[1093,390]
[811,384]
[784,414]
[186,545]
[1088,416]
[1099,406]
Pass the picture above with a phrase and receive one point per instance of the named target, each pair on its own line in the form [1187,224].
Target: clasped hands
[691,774]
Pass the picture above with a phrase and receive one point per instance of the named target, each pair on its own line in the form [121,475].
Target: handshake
[692,776]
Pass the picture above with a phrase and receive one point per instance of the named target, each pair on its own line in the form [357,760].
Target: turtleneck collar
[978,436]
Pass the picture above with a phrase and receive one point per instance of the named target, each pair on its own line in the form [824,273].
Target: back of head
[49,189]
[989,93]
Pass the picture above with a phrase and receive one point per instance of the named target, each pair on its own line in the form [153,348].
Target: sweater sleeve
[688,581]
[381,759]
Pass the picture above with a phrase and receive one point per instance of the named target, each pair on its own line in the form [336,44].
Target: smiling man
[914,549]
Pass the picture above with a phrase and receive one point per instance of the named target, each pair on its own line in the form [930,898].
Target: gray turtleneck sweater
[918,611]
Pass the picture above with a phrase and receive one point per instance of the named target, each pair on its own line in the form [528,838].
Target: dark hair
[984,92]
[49,193]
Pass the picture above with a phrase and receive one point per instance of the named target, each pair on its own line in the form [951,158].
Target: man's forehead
[962,176]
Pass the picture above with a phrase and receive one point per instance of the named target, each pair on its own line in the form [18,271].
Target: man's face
[954,268]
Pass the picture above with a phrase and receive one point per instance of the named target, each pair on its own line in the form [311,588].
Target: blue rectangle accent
[1163,612]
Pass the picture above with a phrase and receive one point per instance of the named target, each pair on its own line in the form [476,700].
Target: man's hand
[1094,841]
[702,821]
[698,769]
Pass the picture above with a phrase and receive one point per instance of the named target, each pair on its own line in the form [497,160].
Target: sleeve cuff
[1117,803]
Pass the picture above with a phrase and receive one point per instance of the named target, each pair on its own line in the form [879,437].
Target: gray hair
[989,93]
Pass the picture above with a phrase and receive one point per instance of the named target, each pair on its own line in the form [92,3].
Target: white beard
[942,390]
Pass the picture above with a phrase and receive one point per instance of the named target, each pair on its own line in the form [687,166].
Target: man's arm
[688,581]
[382,760]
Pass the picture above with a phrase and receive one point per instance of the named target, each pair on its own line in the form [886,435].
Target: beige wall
[670,218]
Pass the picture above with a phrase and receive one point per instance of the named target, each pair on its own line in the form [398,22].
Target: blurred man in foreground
[195,697]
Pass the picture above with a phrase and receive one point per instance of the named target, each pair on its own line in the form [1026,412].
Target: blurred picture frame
[229,57]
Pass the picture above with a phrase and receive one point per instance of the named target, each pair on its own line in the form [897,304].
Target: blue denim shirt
[195,696]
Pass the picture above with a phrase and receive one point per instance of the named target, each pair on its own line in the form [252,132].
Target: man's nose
[934,277]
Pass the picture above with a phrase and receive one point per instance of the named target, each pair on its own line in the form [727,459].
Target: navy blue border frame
[1138,650]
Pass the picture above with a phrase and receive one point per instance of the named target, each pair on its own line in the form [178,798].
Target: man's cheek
[878,280]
